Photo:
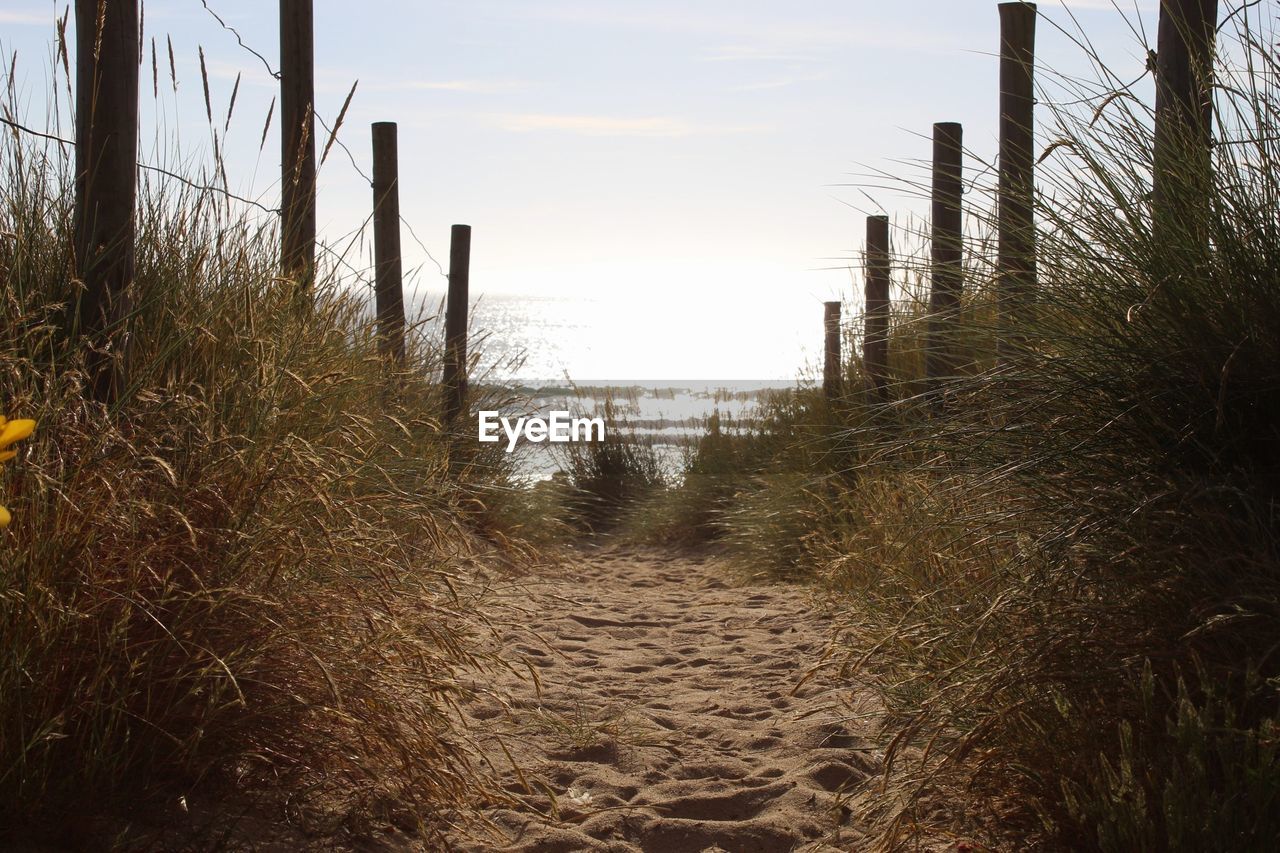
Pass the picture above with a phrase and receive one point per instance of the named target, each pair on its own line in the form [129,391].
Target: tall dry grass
[1066,586]
[246,579]
[605,479]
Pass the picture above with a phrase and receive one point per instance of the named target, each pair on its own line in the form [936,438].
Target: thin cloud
[595,125]
[27,18]
[798,66]
[463,86]
[790,36]
[755,53]
[475,87]
[780,83]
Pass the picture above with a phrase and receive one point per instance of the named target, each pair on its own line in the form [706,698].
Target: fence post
[1016,264]
[1184,110]
[106,182]
[831,367]
[455,326]
[388,271]
[875,334]
[946,255]
[297,142]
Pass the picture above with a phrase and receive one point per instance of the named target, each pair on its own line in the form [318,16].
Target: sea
[662,367]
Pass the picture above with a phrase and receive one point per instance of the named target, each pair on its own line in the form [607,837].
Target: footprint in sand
[675,735]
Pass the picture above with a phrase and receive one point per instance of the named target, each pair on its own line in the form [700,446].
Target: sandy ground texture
[673,714]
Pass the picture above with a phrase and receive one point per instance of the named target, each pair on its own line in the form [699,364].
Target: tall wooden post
[831,367]
[875,336]
[297,142]
[947,263]
[1016,264]
[388,272]
[1184,111]
[106,184]
[455,326]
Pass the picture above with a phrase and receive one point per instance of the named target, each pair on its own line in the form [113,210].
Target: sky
[683,154]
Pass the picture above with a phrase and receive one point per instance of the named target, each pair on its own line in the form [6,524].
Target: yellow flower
[13,431]
[10,433]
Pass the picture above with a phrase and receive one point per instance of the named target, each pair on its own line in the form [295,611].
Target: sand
[673,714]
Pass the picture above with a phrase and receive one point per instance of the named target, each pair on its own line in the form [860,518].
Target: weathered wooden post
[455,326]
[1016,264]
[875,335]
[946,254]
[831,368]
[106,182]
[388,272]
[297,142]
[1184,111]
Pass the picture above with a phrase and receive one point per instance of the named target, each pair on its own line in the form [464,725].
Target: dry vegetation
[248,579]
[1066,586]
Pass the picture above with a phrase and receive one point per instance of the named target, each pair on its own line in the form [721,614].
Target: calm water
[668,416]
[663,366]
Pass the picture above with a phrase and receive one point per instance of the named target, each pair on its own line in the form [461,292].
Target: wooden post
[455,326]
[831,367]
[1016,264]
[1184,111]
[947,262]
[388,272]
[297,142]
[875,336]
[106,184]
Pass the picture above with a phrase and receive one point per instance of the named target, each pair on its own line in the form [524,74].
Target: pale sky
[680,150]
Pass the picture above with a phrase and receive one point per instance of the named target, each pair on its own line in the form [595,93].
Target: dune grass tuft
[245,579]
[1065,583]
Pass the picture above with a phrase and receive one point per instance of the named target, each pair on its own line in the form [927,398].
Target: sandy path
[669,717]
